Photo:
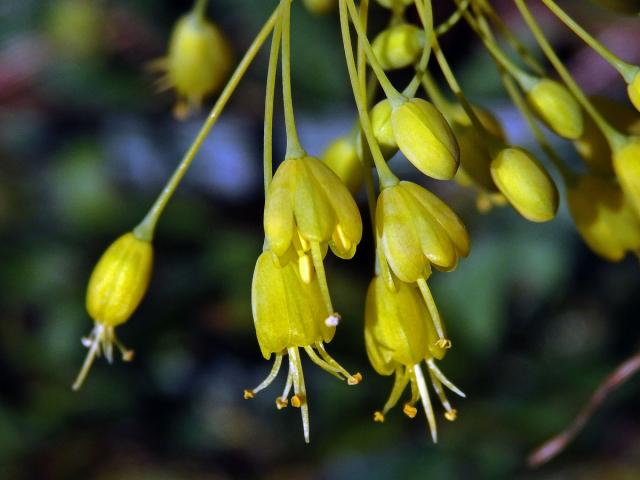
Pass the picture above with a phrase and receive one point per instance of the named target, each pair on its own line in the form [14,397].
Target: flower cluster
[309,202]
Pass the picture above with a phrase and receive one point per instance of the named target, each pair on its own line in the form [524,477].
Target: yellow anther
[248,394]
[444,343]
[451,415]
[333,320]
[127,355]
[281,403]
[305,267]
[409,410]
[355,379]
[378,417]
[297,401]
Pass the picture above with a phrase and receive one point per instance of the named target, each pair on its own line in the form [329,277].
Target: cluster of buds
[309,202]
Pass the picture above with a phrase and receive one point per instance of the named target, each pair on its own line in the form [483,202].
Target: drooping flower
[198,62]
[415,230]
[557,108]
[116,288]
[399,335]
[289,313]
[342,157]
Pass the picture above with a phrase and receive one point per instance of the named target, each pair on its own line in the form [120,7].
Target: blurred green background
[85,145]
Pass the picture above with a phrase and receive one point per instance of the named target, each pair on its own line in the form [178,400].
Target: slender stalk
[427,25]
[272,73]
[294,148]
[615,139]
[146,228]
[390,91]
[625,69]
[387,178]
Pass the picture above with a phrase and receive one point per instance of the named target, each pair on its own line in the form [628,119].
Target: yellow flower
[342,157]
[414,230]
[557,108]
[399,46]
[633,89]
[198,62]
[425,138]
[526,184]
[399,335]
[289,314]
[626,164]
[116,287]
[308,206]
[604,217]
[382,128]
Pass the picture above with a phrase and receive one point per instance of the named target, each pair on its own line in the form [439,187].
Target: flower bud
[526,184]
[474,155]
[633,89]
[626,163]
[343,159]
[395,326]
[198,62]
[119,280]
[399,46]
[383,129]
[604,217]
[320,7]
[425,138]
[557,108]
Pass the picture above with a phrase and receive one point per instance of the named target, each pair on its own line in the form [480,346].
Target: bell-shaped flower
[604,217]
[116,288]
[399,335]
[342,157]
[289,313]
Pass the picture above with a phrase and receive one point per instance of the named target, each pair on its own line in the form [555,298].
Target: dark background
[85,146]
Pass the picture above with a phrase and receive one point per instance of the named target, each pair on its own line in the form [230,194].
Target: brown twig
[557,444]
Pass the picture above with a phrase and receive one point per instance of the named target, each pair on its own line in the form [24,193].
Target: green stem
[294,148]
[387,178]
[615,139]
[412,88]
[625,69]
[436,96]
[395,97]
[272,73]
[146,228]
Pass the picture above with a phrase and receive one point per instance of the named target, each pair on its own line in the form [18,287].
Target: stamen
[333,320]
[248,394]
[322,279]
[443,342]
[441,376]
[305,267]
[426,401]
[409,410]
[127,354]
[93,343]
[451,413]
[378,417]
[295,367]
[321,363]
[399,384]
[351,379]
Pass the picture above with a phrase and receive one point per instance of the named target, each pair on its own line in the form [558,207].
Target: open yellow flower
[116,288]
[289,313]
[399,336]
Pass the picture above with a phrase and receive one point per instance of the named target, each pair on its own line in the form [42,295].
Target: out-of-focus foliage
[85,146]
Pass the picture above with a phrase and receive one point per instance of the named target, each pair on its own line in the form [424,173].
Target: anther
[281,403]
[409,410]
[451,415]
[378,417]
[444,343]
[248,394]
[333,320]
[297,400]
[127,355]
[355,379]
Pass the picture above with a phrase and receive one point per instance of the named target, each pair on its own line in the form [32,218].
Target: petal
[278,208]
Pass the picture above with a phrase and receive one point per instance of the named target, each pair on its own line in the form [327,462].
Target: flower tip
[355,379]
[378,417]
[451,415]
[409,410]
[248,394]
